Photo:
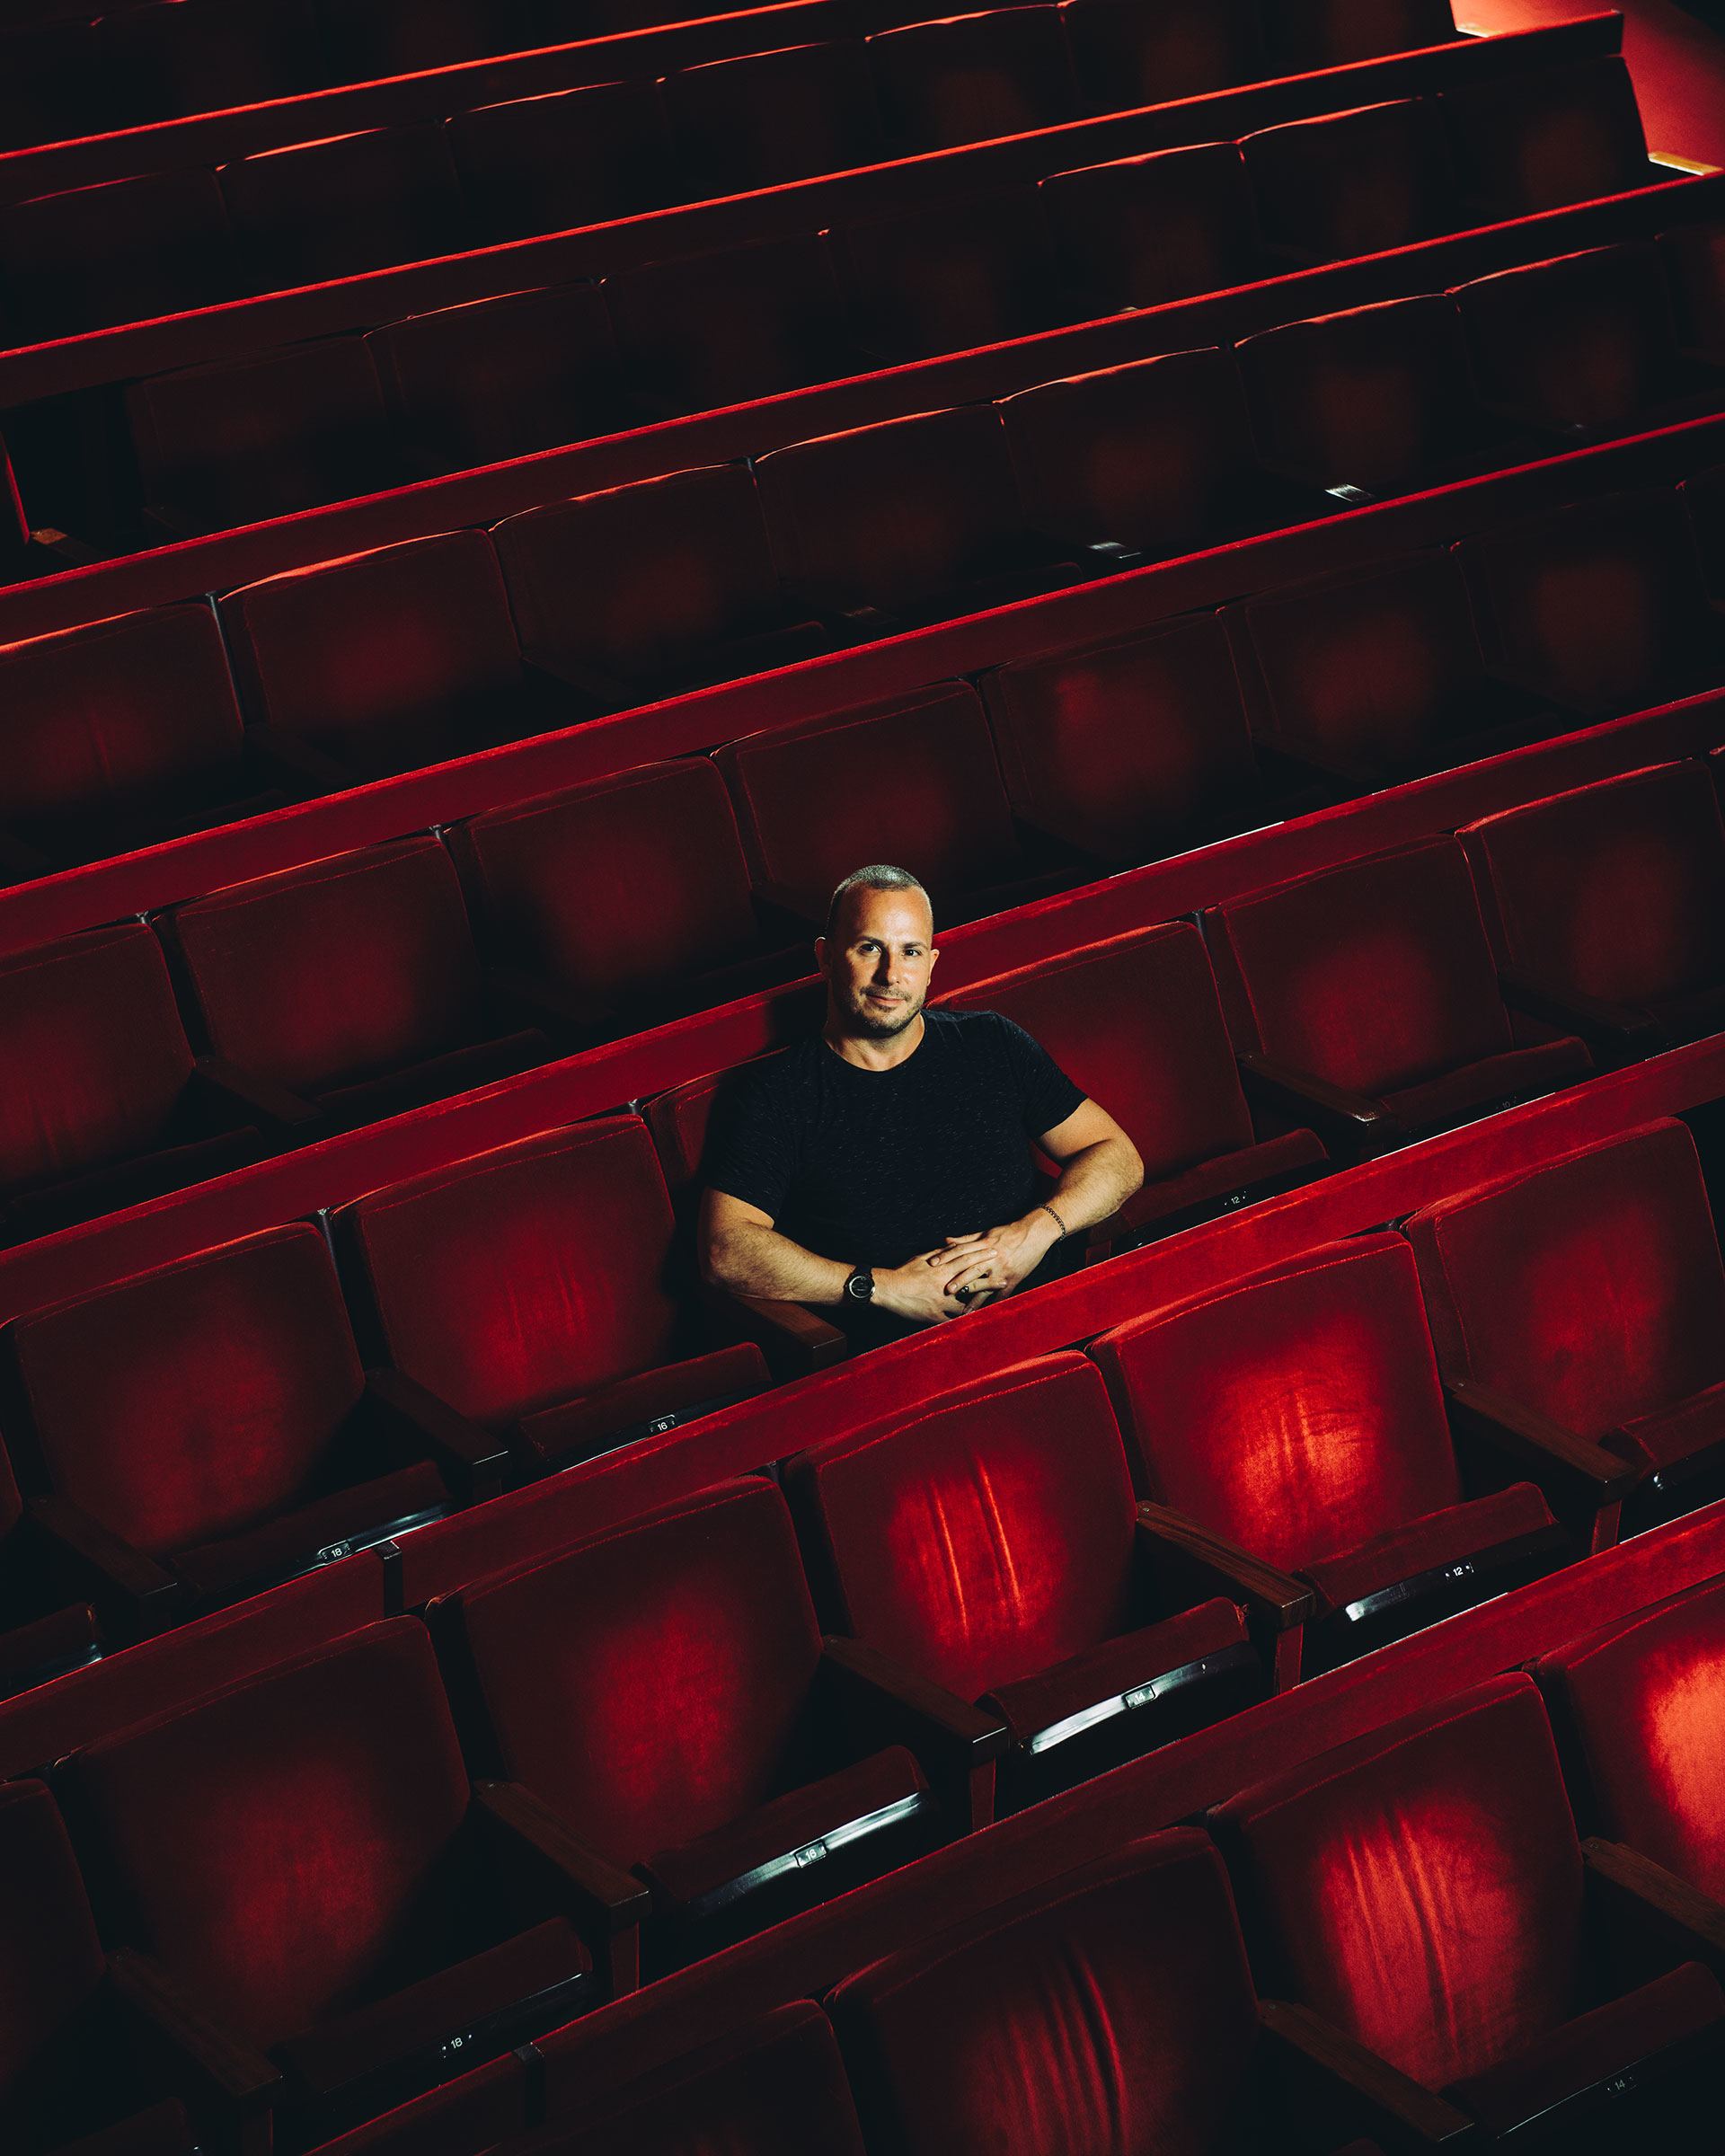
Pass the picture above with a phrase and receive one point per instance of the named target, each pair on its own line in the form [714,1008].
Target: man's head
[878,951]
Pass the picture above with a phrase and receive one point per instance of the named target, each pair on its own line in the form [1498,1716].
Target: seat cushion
[1035,1704]
[454,2002]
[1674,1433]
[684,1878]
[627,1409]
[1477,1087]
[1206,1181]
[29,1653]
[1593,2048]
[458,1071]
[128,1183]
[291,1544]
[1423,1545]
[163,2130]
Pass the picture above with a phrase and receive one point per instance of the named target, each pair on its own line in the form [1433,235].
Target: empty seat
[664,1692]
[1124,55]
[958,1542]
[1308,34]
[971,77]
[1153,458]
[122,251]
[247,439]
[368,39]
[1599,606]
[1352,184]
[1588,1294]
[201,56]
[353,984]
[433,1920]
[527,1289]
[385,661]
[1364,999]
[1536,140]
[950,275]
[326,209]
[704,331]
[1136,1023]
[544,880]
[1704,500]
[651,588]
[810,806]
[212,1419]
[53,86]
[1610,901]
[1421,1890]
[1166,225]
[774,116]
[1298,1419]
[569,158]
[103,1106]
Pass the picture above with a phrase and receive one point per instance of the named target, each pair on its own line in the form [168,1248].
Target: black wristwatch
[860,1287]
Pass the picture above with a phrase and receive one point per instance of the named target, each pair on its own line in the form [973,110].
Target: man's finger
[969,1253]
[981,1273]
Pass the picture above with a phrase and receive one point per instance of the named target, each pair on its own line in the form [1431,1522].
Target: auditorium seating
[1355,183]
[121,252]
[969,272]
[326,209]
[1573,134]
[774,116]
[1002,71]
[1164,226]
[563,158]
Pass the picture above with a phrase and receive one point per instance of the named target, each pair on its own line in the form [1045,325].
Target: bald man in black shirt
[884,1170]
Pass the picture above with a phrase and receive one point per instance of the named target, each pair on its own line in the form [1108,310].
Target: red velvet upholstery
[1143,230]
[1377,397]
[1155,456]
[354,982]
[324,209]
[1642,1703]
[948,277]
[1136,1022]
[810,806]
[1299,1415]
[1331,33]
[568,157]
[1129,750]
[497,378]
[1616,891]
[970,78]
[1353,182]
[1531,141]
[1378,977]
[1112,2010]
[123,251]
[242,440]
[532,1277]
[678,1120]
[1125,55]
[199,57]
[395,37]
[1590,1289]
[774,116]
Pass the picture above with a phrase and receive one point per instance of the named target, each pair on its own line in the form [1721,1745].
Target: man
[883,1170]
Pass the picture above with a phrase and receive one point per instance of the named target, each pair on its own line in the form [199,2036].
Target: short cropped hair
[879,876]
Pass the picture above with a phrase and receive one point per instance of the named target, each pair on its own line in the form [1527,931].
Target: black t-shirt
[874,1167]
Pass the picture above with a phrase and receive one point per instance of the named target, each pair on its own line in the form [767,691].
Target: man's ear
[933,956]
[821,954]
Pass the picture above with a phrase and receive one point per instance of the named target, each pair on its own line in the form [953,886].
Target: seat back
[1589,1288]
[774,116]
[948,277]
[1533,141]
[50,1959]
[702,330]
[1299,1413]
[1125,55]
[192,1401]
[564,159]
[1165,225]
[324,209]
[679,1120]
[1353,182]
[522,1278]
[1310,34]
[970,78]
[122,251]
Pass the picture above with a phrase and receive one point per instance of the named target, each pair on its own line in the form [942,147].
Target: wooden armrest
[115,1571]
[258,1099]
[923,1715]
[1632,1891]
[607,1895]
[224,2066]
[1311,1099]
[1222,1566]
[794,1337]
[1620,1024]
[467,1453]
[1382,2099]
[1577,1467]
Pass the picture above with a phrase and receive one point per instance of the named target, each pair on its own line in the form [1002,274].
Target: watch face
[860,1287]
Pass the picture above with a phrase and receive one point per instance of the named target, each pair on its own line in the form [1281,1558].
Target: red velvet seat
[242,440]
[324,209]
[1304,35]
[544,880]
[45,1631]
[54,84]
[102,1105]
[1598,607]
[564,159]
[1421,1889]
[1125,55]
[369,40]
[809,807]
[121,734]
[122,251]
[1588,1294]
[957,1539]
[212,1419]
[352,986]
[526,1288]
[500,378]
[201,56]
[1135,1022]
[1693,256]
[385,661]
[664,1692]
[1152,459]
[649,589]
[1536,140]
[968,78]
[700,331]
[1351,183]
[1141,231]
[948,277]
[774,116]
[1365,999]
[1298,1416]
[304,1856]
[1611,900]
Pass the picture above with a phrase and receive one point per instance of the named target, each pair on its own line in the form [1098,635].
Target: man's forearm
[1096,1183]
[759,1261]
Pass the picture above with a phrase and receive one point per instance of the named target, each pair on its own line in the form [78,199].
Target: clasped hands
[966,1271]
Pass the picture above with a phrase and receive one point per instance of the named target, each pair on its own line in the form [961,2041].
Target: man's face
[877,961]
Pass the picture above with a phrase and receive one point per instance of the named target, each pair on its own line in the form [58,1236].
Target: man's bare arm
[742,1250]
[1099,1169]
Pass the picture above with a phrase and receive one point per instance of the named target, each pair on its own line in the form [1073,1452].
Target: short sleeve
[1047,1095]
[750,1150]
